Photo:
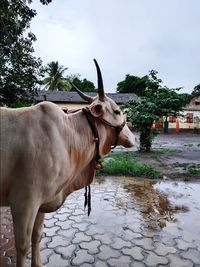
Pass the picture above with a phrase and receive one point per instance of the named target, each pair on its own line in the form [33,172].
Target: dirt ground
[175,156]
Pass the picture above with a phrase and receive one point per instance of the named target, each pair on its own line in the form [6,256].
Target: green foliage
[132,84]
[157,102]
[19,104]
[125,164]
[84,85]
[141,86]
[54,79]
[196,91]
[19,69]
[193,170]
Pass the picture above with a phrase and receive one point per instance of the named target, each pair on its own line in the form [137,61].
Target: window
[189,118]
[172,119]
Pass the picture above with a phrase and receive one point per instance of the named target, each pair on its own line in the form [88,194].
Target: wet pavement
[133,223]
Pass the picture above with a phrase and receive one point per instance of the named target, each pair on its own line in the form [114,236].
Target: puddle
[148,204]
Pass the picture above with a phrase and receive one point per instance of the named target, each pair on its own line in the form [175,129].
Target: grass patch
[126,164]
[180,165]
[188,145]
[193,170]
[190,169]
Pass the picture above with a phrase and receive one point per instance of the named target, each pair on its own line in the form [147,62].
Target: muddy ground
[174,156]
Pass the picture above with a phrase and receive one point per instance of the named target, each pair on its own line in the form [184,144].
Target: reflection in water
[141,204]
[153,204]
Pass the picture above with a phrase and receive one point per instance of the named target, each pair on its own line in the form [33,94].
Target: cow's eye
[117,112]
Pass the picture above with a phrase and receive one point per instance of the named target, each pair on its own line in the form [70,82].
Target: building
[72,100]
[190,117]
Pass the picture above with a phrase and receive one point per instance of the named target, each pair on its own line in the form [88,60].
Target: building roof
[194,104]
[73,97]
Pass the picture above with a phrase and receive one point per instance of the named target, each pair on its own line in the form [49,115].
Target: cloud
[128,36]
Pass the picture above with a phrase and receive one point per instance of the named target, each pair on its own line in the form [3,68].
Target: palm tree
[55,79]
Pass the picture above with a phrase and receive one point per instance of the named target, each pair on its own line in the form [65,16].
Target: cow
[46,154]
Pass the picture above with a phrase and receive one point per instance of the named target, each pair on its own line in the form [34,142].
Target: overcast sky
[125,36]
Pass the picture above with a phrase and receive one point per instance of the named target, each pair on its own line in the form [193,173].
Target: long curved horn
[100,82]
[87,98]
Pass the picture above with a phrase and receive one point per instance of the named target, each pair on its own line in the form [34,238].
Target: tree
[157,102]
[132,84]
[196,90]
[55,79]
[141,86]
[20,70]
[84,85]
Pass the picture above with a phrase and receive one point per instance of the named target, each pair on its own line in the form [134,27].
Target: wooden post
[177,125]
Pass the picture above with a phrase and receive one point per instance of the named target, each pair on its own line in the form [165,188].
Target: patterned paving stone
[81,257]
[44,242]
[163,250]
[176,261]
[192,254]
[81,237]
[92,246]
[135,252]
[49,216]
[120,243]
[154,260]
[64,225]
[146,243]
[107,252]
[49,232]
[123,261]
[130,235]
[183,245]
[66,252]
[169,241]
[135,227]
[100,264]
[115,238]
[148,233]
[55,260]
[68,233]
[104,238]
[156,238]
[77,219]
[137,264]
[50,223]
[62,217]
[78,212]
[58,241]
[85,265]
[197,243]
[45,254]
[174,231]
[80,226]
[93,229]
[188,237]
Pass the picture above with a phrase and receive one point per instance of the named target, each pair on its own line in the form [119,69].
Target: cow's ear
[96,110]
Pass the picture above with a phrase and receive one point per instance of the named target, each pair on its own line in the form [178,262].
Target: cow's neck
[107,137]
[83,137]
[81,142]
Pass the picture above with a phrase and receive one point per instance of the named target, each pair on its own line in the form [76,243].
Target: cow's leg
[24,214]
[36,237]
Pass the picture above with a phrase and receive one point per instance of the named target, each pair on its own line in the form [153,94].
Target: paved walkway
[132,223]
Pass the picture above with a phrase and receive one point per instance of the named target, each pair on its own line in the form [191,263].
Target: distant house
[192,113]
[72,100]
[190,119]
